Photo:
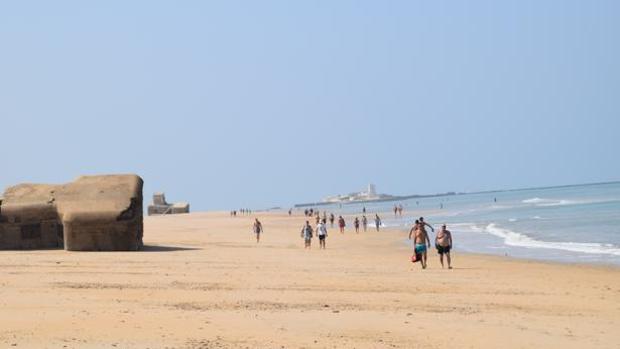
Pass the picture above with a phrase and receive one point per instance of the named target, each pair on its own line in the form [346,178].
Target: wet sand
[203,282]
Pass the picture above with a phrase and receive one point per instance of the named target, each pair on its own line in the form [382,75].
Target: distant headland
[368,195]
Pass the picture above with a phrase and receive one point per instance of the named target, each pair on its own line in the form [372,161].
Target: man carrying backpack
[306,233]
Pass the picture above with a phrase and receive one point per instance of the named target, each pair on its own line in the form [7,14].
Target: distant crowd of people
[243,211]
[418,233]
[398,210]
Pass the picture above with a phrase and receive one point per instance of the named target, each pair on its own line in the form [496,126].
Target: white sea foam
[534,201]
[512,238]
[468,227]
[512,219]
[561,202]
[549,202]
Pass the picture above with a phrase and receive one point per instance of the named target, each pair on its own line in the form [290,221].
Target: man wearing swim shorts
[421,241]
[443,244]
[321,231]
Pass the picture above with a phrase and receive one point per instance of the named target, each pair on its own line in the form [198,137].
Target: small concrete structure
[161,207]
[93,213]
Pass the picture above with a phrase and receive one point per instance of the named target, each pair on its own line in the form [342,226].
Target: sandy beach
[203,282]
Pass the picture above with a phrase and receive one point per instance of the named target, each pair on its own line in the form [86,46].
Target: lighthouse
[372,191]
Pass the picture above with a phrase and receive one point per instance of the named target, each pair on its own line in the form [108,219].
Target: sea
[572,224]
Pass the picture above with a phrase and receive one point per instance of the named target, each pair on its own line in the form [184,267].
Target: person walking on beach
[400,210]
[364,222]
[377,222]
[415,227]
[395,211]
[321,231]
[331,219]
[341,224]
[306,234]
[356,224]
[423,224]
[443,244]
[317,218]
[421,241]
[258,228]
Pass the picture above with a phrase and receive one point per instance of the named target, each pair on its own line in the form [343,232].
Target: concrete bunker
[161,207]
[93,213]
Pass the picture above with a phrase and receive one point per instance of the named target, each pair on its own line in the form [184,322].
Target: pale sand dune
[204,283]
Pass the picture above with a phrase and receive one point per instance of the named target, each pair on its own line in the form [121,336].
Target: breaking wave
[560,202]
[512,238]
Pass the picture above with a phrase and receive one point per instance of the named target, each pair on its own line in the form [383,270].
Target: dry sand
[204,283]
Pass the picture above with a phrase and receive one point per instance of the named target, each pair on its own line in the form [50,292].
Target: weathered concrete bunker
[93,213]
[161,207]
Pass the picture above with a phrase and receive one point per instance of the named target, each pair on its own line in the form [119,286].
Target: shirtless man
[258,228]
[423,224]
[365,222]
[421,240]
[443,244]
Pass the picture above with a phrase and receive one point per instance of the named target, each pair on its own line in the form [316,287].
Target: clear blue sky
[260,103]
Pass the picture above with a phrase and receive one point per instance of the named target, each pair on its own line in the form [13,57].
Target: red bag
[416,257]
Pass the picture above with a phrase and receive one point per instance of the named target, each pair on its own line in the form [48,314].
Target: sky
[258,104]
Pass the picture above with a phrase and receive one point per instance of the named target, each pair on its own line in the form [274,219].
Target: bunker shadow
[160,248]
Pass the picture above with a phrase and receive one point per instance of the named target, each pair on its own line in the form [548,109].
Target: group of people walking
[307,233]
[357,222]
[421,240]
[443,243]
[398,210]
[321,228]
[243,211]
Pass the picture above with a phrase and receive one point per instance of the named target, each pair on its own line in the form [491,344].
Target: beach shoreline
[203,282]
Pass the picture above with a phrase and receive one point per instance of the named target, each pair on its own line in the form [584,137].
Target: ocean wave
[534,200]
[468,227]
[550,202]
[512,238]
[561,202]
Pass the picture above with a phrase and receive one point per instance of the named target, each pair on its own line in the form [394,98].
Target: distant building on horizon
[367,195]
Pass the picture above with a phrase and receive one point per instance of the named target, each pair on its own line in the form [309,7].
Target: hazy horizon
[247,104]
